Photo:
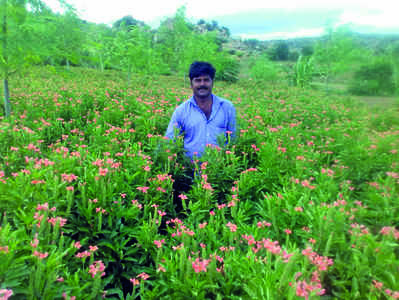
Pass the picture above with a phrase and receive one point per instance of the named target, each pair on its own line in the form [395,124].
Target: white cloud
[381,19]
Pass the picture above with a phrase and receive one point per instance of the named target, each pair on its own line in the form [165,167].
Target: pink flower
[143,276]
[83,254]
[97,267]
[42,207]
[232,203]
[386,230]
[69,177]
[159,243]
[4,249]
[34,243]
[137,204]
[378,285]
[286,256]
[93,248]
[288,231]
[305,183]
[161,269]
[302,289]
[134,281]
[221,206]
[232,227]
[263,224]
[200,265]
[103,172]
[322,262]
[207,186]
[161,213]
[182,196]
[5,294]
[40,255]
[54,221]
[143,189]
[161,189]
[77,245]
[202,225]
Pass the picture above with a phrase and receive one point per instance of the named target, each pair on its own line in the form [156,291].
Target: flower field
[304,204]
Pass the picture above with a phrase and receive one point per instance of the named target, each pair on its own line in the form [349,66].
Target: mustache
[203,87]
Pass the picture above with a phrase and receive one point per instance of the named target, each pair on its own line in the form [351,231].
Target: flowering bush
[302,204]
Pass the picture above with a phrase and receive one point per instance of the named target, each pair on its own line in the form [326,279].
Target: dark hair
[200,68]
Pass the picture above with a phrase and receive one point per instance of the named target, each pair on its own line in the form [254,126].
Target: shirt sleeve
[231,124]
[174,123]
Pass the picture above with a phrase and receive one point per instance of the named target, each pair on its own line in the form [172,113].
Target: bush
[303,71]
[227,68]
[263,70]
[373,79]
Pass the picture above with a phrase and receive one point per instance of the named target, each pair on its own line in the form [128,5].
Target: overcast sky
[252,18]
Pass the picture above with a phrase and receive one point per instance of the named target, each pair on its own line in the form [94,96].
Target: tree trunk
[67,63]
[7,104]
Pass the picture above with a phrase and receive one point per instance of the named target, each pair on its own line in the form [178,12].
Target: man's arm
[173,124]
[231,124]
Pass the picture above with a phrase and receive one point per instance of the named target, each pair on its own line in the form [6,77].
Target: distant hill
[376,42]
[283,23]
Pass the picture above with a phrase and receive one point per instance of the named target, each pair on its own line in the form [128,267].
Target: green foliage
[394,53]
[279,51]
[127,21]
[337,53]
[97,50]
[375,78]
[131,51]
[303,71]
[307,50]
[227,67]
[304,199]
[262,69]
[293,55]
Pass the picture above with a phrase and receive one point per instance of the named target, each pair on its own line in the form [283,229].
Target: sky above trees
[252,18]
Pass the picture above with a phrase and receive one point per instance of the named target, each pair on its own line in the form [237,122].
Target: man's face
[202,86]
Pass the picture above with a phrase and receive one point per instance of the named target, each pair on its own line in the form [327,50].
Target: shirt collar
[215,101]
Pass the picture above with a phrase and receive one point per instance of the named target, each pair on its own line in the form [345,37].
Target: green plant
[376,78]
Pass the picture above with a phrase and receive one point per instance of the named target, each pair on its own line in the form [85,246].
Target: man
[203,117]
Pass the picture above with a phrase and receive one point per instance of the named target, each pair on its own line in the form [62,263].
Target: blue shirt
[197,130]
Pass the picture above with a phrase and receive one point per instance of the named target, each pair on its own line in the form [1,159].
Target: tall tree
[70,37]
[336,53]
[15,33]
[280,51]
[132,51]
[98,44]
[172,39]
